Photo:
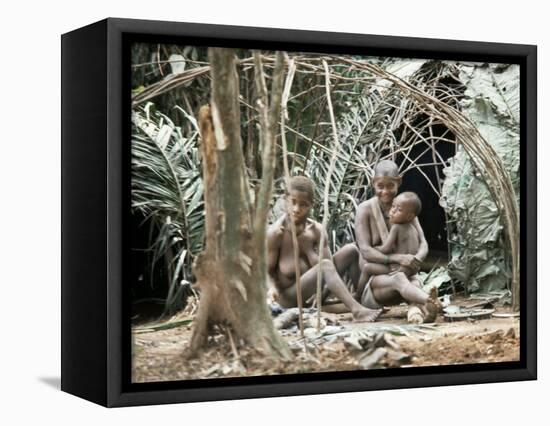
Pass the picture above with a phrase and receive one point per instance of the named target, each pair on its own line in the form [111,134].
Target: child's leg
[409,272]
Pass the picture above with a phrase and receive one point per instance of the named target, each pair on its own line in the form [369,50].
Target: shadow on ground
[54,382]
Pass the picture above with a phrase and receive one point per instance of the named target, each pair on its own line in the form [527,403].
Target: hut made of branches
[385,109]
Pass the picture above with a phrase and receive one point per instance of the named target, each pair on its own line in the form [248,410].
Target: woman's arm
[274,239]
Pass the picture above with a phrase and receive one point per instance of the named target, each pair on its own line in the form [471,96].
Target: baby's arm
[389,244]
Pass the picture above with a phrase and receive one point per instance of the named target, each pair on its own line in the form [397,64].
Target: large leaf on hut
[491,101]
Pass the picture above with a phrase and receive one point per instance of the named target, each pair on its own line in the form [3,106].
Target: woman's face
[385,188]
[299,205]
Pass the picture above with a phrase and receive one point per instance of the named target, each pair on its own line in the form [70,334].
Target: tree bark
[231,271]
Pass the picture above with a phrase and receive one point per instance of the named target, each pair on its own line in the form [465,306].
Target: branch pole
[269,114]
[297,272]
[335,150]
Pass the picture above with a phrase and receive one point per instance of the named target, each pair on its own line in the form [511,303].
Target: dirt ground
[159,348]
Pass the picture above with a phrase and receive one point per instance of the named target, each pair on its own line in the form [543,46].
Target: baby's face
[401,211]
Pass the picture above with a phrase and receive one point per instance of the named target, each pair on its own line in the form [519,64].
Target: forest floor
[159,348]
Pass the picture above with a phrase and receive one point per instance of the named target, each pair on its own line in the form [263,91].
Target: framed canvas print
[253,212]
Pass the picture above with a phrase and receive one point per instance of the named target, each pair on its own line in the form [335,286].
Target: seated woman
[372,229]
[402,238]
[280,256]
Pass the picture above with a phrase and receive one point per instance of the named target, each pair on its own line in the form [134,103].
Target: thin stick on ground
[232,344]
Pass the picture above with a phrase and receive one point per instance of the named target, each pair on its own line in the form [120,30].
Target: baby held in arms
[403,238]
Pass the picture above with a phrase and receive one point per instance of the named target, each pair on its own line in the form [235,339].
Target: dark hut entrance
[432,218]
[150,274]
[148,285]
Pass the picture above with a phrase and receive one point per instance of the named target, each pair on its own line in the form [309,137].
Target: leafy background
[374,121]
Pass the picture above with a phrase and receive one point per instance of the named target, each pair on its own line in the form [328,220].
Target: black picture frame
[95,200]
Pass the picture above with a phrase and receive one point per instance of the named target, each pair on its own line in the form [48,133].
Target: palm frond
[167,188]
[361,132]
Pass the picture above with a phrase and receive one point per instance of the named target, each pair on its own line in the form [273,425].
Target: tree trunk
[231,271]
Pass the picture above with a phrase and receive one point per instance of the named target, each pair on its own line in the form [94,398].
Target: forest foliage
[374,121]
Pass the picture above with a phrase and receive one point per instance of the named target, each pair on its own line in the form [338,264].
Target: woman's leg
[346,260]
[369,269]
[392,289]
[331,280]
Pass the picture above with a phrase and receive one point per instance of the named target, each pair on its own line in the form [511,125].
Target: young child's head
[406,206]
[300,198]
[386,180]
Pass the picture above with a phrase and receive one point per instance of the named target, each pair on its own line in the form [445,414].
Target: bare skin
[280,257]
[403,238]
[388,290]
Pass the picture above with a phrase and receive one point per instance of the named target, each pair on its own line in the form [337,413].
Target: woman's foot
[433,306]
[366,314]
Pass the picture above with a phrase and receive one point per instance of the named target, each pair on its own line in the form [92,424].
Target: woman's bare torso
[376,238]
[308,249]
